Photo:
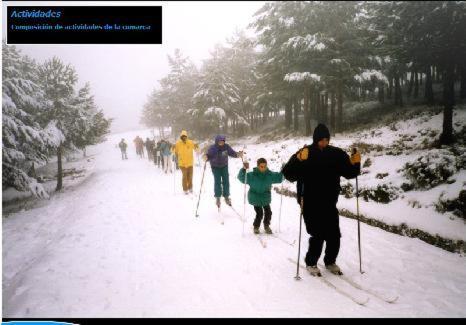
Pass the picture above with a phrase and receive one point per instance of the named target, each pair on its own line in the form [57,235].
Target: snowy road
[122,244]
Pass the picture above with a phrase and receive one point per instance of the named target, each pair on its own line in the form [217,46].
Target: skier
[148,145]
[183,150]
[260,182]
[317,168]
[165,150]
[158,149]
[123,147]
[139,143]
[217,155]
[156,152]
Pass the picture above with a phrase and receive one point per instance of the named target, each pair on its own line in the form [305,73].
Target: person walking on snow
[165,150]
[183,150]
[139,143]
[317,168]
[148,145]
[217,155]
[260,182]
[123,147]
[158,148]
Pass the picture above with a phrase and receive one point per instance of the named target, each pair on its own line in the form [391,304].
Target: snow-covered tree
[58,82]
[89,125]
[25,142]
[216,93]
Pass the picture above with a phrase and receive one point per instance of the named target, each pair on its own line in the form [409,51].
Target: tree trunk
[463,82]
[288,113]
[326,108]
[420,79]
[323,109]
[32,171]
[381,93]
[390,87]
[84,152]
[416,85]
[398,93]
[332,113]
[319,106]
[307,117]
[429,92]
[296,113]
[449,102]
[60,168]
[411,84]
[340,107]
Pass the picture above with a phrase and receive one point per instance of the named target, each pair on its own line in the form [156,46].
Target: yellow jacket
[184,152]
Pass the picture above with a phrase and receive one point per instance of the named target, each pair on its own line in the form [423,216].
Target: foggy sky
[122,76]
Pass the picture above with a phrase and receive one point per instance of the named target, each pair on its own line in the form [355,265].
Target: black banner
[84,25]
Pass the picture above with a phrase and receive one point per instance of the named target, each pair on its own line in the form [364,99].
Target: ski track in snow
[125,245]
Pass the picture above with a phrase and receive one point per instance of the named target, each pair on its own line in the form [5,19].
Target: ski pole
[281,201]
[359,228]
[175,163]
[297,277]
[245,183]
[200,190]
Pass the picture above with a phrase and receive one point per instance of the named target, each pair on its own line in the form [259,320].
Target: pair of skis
[358,300]
[260,237]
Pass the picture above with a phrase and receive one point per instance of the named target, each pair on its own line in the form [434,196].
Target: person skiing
[158,147]
[217,155]
[123,147]
[317,168]
[260,182]
[139,143]
[183,150]
[148,145]
[165,150]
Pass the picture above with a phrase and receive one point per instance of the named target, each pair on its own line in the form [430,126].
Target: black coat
[318,182]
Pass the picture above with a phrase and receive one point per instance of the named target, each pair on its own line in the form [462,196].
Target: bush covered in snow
[432,169]
[383,193]
[457,205]
[347,190]
[364,147]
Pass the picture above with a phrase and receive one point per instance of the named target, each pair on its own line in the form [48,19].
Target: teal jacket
[260,185]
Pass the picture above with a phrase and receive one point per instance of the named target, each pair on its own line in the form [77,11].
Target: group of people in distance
[315,168]
[159,152]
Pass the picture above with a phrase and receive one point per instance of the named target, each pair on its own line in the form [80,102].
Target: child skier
[260,182]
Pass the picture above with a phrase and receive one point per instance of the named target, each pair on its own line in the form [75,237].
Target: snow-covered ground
[126,243]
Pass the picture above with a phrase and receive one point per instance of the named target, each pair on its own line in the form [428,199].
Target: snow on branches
[301,76]
[371,75]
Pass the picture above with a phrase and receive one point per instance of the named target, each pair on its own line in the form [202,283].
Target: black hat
[320,132]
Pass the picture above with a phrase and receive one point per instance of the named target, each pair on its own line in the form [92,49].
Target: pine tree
[25,141]
[58,82]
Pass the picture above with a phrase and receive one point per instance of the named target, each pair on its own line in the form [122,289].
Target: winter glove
[205,157]
[240,154]
[246,165]
[355,157]
[303,154]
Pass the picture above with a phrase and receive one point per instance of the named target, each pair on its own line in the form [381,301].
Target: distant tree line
[308,58]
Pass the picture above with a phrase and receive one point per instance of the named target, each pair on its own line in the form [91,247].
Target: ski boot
[256,230]
[217,202]
[228,200]
[313,270]
[268,230]
[335,269]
